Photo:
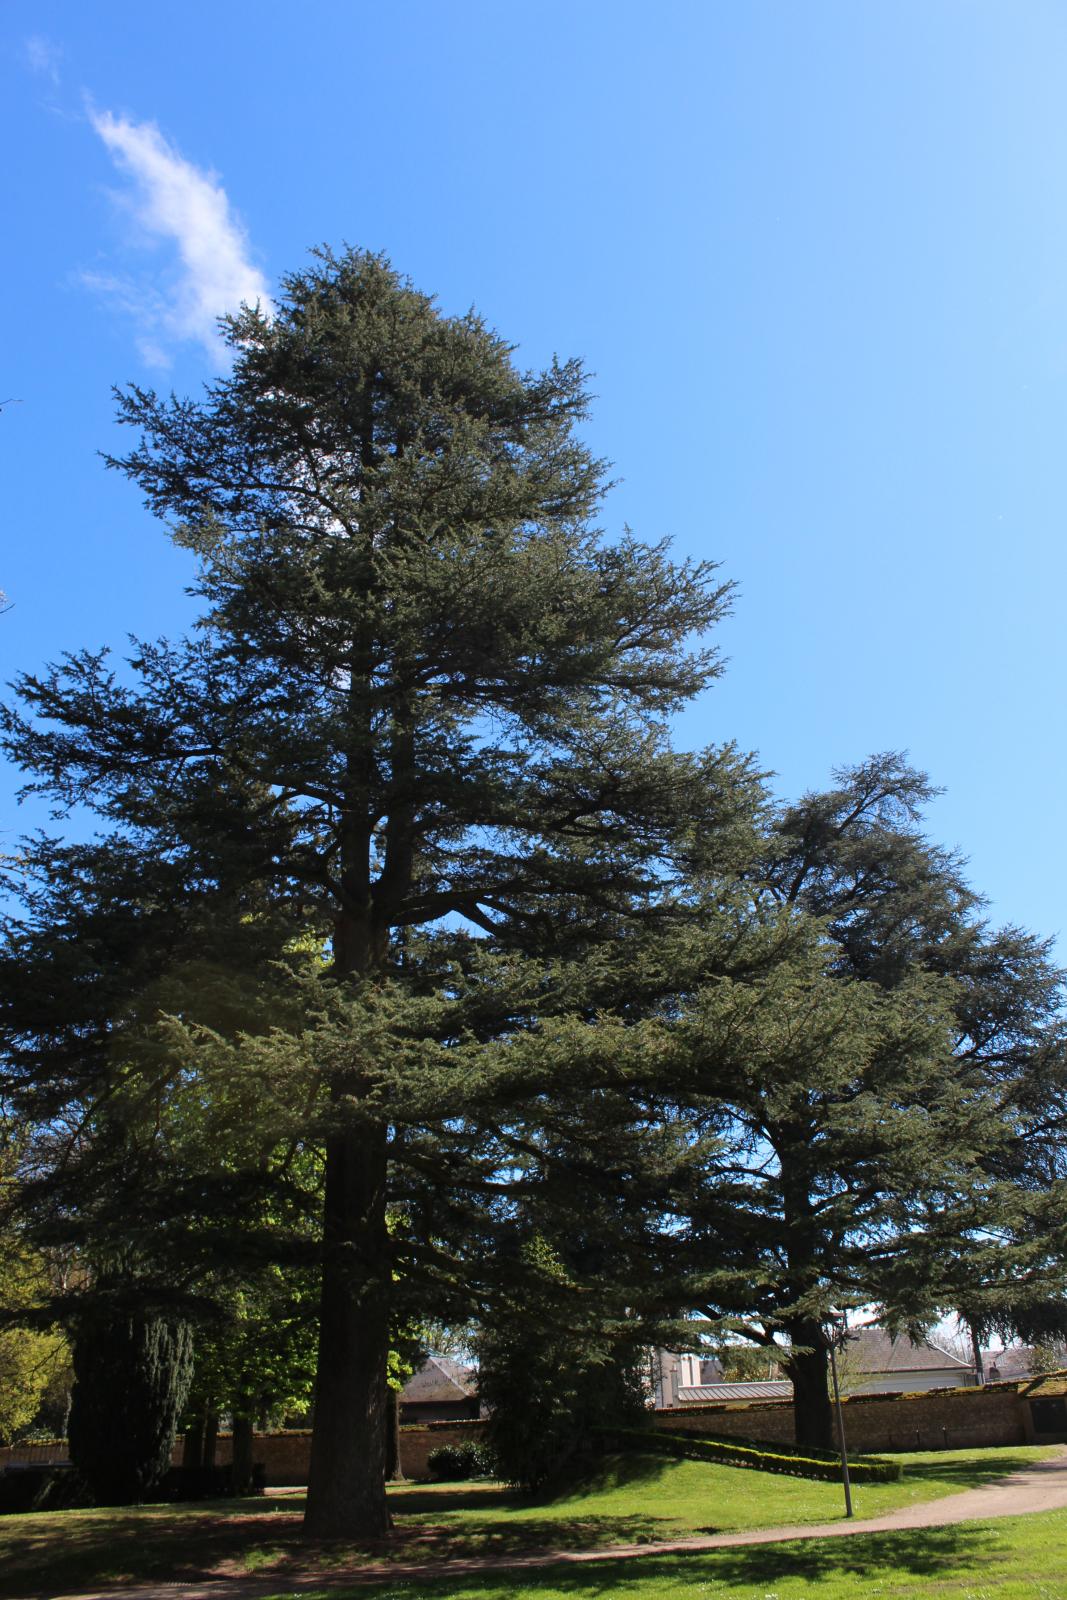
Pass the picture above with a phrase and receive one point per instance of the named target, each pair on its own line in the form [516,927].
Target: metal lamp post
[837,1405]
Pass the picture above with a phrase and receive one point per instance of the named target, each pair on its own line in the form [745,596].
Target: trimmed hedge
[800,1452]
[734,1453]
[208,1483]
[41,1488]
[777,1448]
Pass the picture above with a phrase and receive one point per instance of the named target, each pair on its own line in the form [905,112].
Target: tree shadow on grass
[921,1555]
[533,1535]
[612,1472]
[928,1554]
[965,1473]
[68,1551]
[911,1552]
[419,1499]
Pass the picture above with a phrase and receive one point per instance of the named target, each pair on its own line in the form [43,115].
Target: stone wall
[418,1439]
[47,1453]
[769,1421]
[285,1455]
[939,1419]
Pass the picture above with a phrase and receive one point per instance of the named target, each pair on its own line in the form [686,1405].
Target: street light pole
[840,1420]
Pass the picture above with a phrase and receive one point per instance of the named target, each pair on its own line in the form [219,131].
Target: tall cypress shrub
[557,1372]
[132,1371]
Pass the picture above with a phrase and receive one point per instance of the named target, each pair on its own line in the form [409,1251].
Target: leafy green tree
[896,903]
[254,1360]
[1010,1274]
[30,1361]
[425,687]
[1046,1358]
[34,1355]
[745,1363]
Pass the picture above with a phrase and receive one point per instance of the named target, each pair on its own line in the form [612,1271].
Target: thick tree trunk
[805,1246]
[346,1483]
[241,1468]
[976,1350]
[393,1469]
[350,1442]
[808,1370]
[211,1438]
[193,1444]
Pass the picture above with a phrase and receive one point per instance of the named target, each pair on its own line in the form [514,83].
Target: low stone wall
[286,1456]
[42,1453]
[769,1421]
[937,1419]
[941,1419]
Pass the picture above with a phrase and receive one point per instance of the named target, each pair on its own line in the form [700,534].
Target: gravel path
[1039,1487]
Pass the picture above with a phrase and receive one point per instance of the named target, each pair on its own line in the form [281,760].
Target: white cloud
[43,57]
[173,200]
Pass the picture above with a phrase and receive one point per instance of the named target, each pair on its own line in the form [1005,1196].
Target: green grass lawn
[650,1497]
[1013,1558]
[633,1498]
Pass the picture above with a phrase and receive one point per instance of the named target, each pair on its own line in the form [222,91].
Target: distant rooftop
[702,1393]
[873,1350]
[439,1381]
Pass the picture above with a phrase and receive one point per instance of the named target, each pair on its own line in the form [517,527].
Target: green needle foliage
[425,687]
[871,1103]
[825,1129]
[133,1151]
[720,1055]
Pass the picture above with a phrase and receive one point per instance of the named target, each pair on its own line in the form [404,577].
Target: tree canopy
[411,939]
[424,686]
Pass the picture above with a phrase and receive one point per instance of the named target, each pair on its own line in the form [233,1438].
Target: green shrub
[750,1453]
[450,1462]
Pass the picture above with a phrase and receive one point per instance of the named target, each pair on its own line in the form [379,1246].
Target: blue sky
[815,254]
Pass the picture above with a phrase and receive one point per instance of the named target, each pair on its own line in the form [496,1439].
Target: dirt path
[1039,1487]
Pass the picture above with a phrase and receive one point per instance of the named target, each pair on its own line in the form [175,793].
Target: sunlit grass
[1012,1558]
[630,1499]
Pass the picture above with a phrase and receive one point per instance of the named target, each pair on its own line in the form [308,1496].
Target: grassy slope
[649,1497]
[634,1498]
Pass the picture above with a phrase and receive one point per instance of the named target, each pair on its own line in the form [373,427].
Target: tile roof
[439,1380]
[872,1350]
[1013,1361]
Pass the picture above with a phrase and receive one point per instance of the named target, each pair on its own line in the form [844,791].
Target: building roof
[872,1350]
[1011,1362]
[703,1393]
[439,1381]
